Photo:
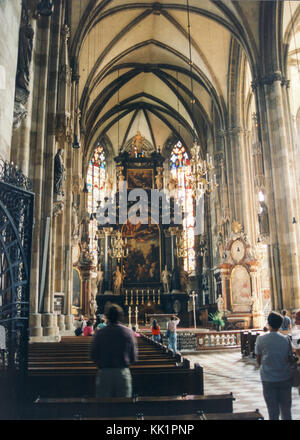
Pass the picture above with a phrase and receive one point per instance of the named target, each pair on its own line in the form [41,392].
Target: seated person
[88,329]
[137,335]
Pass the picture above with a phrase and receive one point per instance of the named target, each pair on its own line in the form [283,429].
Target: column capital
[269,80]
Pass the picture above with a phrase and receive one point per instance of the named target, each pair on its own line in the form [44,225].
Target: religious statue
[100,277]
[220,304]
[75,224]
[94,286]
[184,280]
[93,307]
[120,177]
[137,144]
[59,172]
[172,186]
[165,277]
[263,220]
[23,69]
[84,226]
[117,281]
[86,258]
[109,187]
[159,179]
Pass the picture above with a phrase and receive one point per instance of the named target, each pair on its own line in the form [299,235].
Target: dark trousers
[278,397]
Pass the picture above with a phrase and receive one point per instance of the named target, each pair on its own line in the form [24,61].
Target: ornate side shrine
[140,265]
[239,294]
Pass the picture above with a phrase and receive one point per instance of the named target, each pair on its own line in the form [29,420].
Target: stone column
[85,271]
[36,169]
[226,291]
[280,189]
[49,199]
[257,309]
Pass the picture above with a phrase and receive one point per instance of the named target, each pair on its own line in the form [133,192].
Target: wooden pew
[159,407]
[64,370]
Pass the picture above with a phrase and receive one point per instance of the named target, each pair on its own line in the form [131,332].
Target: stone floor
[226,372]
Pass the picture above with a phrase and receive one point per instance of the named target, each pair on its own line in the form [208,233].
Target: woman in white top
[172,338]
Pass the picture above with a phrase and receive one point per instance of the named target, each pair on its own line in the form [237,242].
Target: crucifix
[193,296]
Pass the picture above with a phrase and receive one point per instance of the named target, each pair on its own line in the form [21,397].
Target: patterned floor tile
[226,372]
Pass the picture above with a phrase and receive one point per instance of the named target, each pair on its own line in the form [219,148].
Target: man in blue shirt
[272,353]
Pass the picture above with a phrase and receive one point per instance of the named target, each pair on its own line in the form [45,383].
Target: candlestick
[126,298]
[137,297]
[131,301]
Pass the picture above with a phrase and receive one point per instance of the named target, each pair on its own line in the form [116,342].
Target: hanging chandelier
[200,169]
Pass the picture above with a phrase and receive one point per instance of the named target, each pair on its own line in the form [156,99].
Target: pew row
[140,407]
[64,370]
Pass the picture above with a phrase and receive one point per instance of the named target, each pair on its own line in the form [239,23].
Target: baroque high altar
[139,268]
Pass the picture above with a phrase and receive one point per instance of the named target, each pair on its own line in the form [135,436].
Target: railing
[218,340]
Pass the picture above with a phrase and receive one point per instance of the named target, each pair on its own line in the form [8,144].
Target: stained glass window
[181,170]
[95,183]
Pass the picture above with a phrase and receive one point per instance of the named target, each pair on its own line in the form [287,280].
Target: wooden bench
[248,415]
[64,370]
[161,407]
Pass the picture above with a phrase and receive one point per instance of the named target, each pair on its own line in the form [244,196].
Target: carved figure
[23,69]
[93,307]
[59,172]
[165,277]
[220,303]
[172,185]
[137,144]
[184,280]
[75,224]
[159,178]
[117,281]
[100,277]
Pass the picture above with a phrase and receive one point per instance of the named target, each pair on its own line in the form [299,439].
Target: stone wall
[10,14]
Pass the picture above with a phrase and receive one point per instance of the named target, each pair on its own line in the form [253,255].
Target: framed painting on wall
[143,262]
[139,178]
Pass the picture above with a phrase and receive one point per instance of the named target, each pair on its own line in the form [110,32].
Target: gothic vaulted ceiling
[133,58]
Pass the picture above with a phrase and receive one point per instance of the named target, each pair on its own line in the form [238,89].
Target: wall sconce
[45,8]
[294,220]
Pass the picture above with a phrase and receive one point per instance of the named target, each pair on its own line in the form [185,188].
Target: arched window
[181,171]
[95,183]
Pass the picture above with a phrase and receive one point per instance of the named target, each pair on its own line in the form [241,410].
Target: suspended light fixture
[45,8]
[200,168]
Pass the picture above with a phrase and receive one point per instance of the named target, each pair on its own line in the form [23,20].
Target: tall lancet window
[95,183]
[181,171]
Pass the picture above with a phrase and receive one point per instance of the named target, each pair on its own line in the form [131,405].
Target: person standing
[172,338]
[286,322]
[113,350]
[272,351]
[155,330]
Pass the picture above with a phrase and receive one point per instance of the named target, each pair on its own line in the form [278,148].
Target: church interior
[149,157]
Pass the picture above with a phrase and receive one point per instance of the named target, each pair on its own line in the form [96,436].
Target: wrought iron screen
[16,222]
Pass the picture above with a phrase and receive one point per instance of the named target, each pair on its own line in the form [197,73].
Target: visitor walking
[113,350]
[272,351]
